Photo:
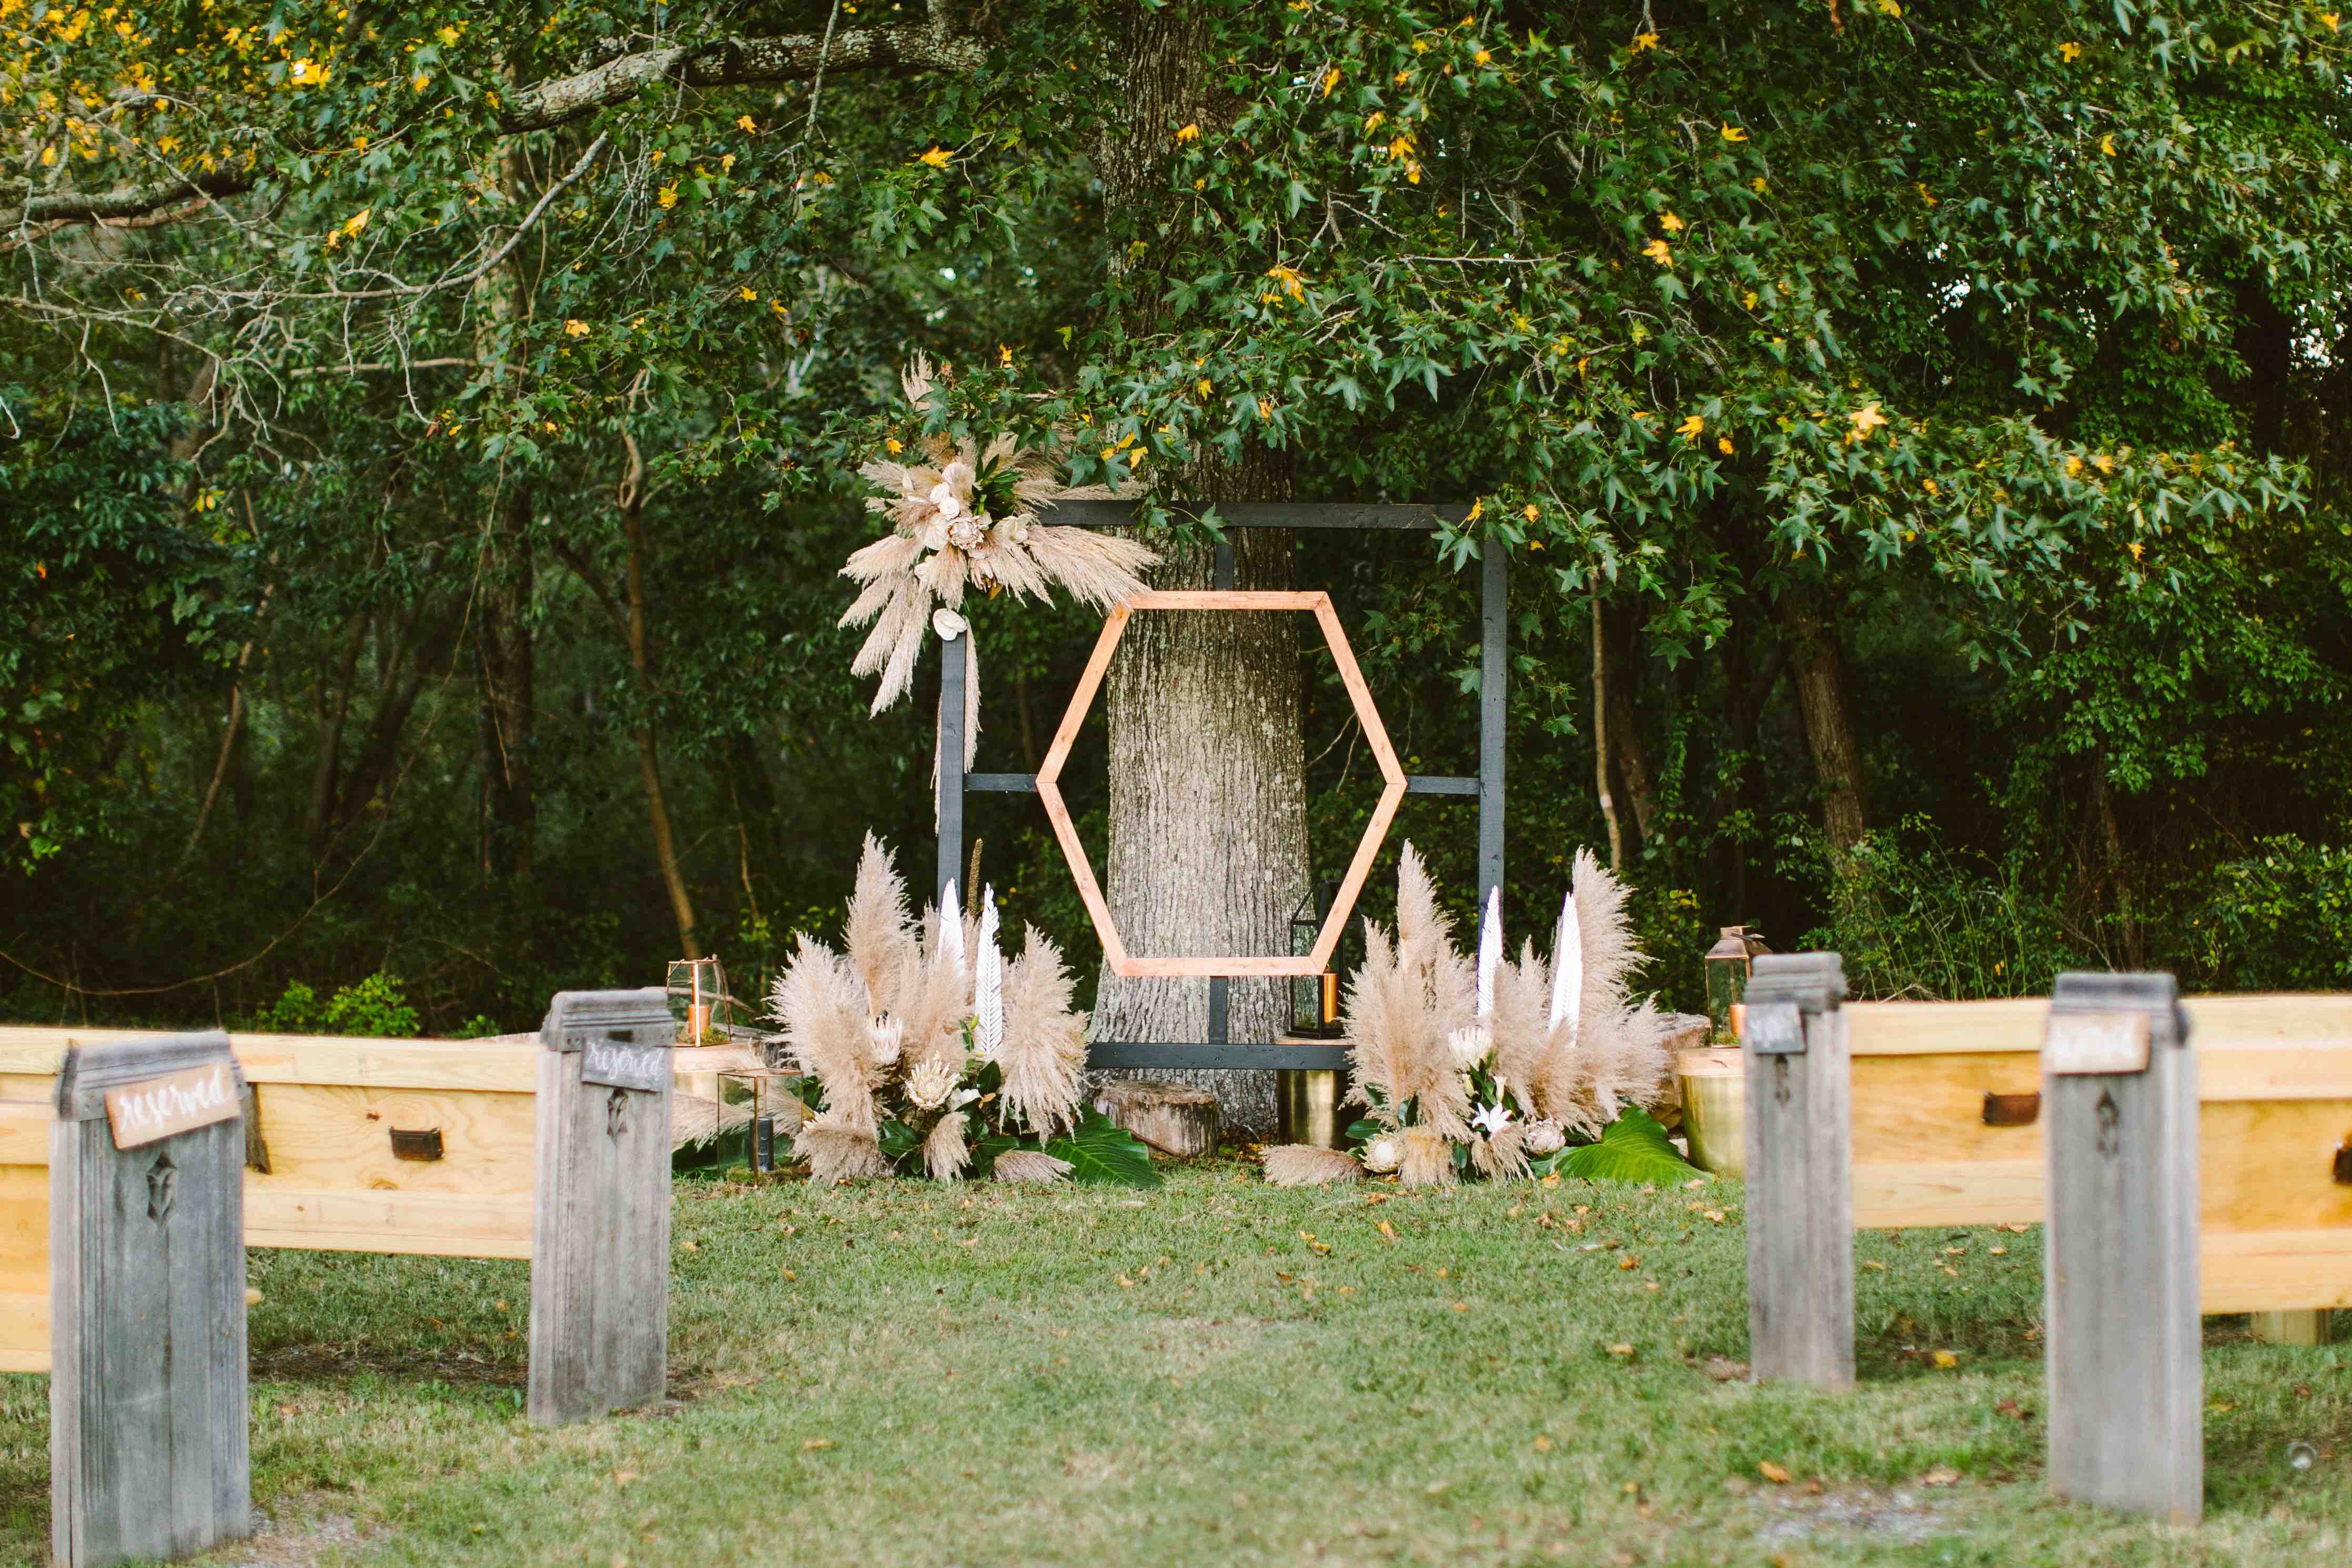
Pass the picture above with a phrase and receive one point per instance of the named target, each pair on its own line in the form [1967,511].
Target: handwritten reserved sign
[2097,1042]
[177,1103]
[619,1065]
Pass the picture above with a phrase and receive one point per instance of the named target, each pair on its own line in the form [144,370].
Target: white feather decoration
[988,1035]
[1567,966]
[1490,951]
[951,927]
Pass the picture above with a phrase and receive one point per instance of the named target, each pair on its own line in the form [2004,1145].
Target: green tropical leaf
[897,1140]
[1103,1152]
[1633,1148]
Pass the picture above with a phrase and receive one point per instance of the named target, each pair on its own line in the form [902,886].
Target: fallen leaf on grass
[622,1478]
[1543,1443]
[1941,1476]
[1461,1306]
[1874,1263]
[1628,1260]
[1372,1197]
[1946,1360]
[2011,1409]
[1620,1350]
[1125,1283]
[1387,1230]
[1723,1369]
[1771,1472]
[809,1445]
[2017,1229]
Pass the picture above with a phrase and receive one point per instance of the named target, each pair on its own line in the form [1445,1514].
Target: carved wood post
[600,1227]
[1799,1173]
[2120,1265]
[149,1453]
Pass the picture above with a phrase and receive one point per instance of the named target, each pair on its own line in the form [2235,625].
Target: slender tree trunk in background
[503,637]
[1631,751]
[334,712]
[1208,758]
[681,907]
[1818,669]
[1601,736]
[2119,877]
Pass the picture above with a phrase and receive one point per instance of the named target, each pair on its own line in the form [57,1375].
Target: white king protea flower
[1492,1119]
[888,1035]
[1469,1045]
[967,533]
[1383,1153]
[931,1083]
[1545,1137]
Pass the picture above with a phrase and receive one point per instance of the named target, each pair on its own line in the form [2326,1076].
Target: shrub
[376,1007]
[2279,919]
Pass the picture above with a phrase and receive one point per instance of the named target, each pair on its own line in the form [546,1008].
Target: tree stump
[1176,1119]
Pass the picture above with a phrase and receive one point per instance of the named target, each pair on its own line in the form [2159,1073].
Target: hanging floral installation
[965,516]
[1488,1069]
[923,1052]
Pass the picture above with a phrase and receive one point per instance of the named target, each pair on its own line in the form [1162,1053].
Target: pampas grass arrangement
[923,1052]
[964,516]
[1487,1068]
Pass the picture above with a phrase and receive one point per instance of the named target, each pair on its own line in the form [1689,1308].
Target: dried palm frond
[1428,1159]
[1045,1052]
[969,519]
[1030,1165]
[837,1152]
[1306,1164]
[944,1152]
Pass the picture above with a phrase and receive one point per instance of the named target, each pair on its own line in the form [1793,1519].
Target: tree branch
[937,43]
[929,44]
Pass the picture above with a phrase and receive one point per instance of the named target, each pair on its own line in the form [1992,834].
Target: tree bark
[1208,757]
[641,660]
[510,807]
[1600,736]
[1630,750]
[1817,668]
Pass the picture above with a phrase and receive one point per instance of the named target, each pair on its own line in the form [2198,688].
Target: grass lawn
[1218,1373]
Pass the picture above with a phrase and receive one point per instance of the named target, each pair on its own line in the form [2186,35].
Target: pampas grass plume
[1306,1164]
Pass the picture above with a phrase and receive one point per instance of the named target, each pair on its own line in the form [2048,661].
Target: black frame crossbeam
[1487,785]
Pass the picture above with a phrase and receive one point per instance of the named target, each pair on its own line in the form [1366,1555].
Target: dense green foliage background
[1967,382]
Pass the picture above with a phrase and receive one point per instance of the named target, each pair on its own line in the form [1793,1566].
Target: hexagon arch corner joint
[1392,789]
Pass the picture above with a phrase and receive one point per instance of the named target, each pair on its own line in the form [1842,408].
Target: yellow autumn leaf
[449,36]
[1866,418]
[1772,1472]
[2137,550]
[1532,512]
[2331,18]
[746,293]
[1265,409]
[1659,251]
[358,221]
[1723,444]
[1644,41]
[1188,133]
[2070,52]
[667,197]
[1204,386]
[575,328]
[1482,58]
[1730,133]
[726,162]
[1690,428]
[1946,1360]
[746,124]
[1331,80]
[936,157]
[1671,224]
[2108,143]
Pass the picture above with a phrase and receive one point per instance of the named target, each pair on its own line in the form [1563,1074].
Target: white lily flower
[1492,1120]
[949,504]
[961,1098]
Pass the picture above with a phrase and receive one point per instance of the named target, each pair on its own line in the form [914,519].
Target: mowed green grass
[1218,1373]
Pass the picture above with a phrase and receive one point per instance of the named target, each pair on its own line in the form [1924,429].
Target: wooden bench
[460,1186]
[2274,1084]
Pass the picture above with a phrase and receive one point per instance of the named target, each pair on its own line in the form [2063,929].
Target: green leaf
[1633,1148]
[1103,1152]
[897,1140]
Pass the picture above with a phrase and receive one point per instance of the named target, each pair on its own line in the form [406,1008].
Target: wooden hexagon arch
[1392,789]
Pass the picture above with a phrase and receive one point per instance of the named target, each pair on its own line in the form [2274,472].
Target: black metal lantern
[1314,998]
[1728,964]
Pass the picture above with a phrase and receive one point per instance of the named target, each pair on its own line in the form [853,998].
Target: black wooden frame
[1219,1051]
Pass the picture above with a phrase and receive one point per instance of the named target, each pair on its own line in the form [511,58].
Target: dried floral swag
[962,515]
[1490,1069]
[923,1052]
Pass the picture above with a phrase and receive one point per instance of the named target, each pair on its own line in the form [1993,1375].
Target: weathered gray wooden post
[2119,1253]
[149,1454]
[1799,1173]
[599,1228]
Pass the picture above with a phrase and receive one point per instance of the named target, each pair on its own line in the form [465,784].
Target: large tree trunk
[1818,671]
[1208,758]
